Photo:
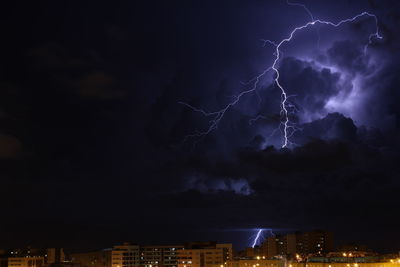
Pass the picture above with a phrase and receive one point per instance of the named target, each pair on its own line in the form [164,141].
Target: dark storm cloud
[75,73]
[348,56]
[331,143]
[207,184]
[99,84]
[304,186]
[311,88]
[332,127]
[55,57]
[10,147]
[368,96]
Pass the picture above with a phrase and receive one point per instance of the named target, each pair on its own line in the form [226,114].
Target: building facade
[203,254]
[315,242]
[125,255]
[207,254]
[32,261]
[54,255]
[299,243]
[269,247]
[32,257]
[101,258]
[160,256]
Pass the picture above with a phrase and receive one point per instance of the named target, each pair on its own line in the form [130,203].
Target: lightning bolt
[287,128]
[257,237]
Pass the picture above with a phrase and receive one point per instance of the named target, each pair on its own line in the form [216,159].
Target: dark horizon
[237,245]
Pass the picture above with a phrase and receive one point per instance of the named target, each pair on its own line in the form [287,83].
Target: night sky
[92,134]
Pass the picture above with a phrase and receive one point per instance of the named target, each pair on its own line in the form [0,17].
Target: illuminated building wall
[205,255]
[26,261]
[125,255]
[285,245]
[54,255]
[49,256]
[302,243]
[156,256]
[33,257]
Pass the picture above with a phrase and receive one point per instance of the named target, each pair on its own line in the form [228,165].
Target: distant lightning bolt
[257,237]
[260,235]
[285,126]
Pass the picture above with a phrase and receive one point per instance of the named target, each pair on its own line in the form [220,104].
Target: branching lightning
[286,108]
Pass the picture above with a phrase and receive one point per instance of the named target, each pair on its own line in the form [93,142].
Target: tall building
[315,242]
[278,245]
[269,247]
[299,243]
[290,244]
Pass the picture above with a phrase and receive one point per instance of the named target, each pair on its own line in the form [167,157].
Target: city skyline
[270,244]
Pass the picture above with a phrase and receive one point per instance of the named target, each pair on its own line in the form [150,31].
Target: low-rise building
[125,255]
[32,257]
[196,254]
[27,261]
[160,256]
[207,254]
[101,258]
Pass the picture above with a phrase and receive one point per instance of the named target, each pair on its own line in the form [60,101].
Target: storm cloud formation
[343,161]
[92,132]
